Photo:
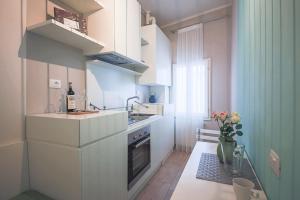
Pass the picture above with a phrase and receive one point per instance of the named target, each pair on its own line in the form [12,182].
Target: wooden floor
[163,183]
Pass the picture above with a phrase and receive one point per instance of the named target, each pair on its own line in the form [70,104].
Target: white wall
[217,46]
[13,160]
[109,87]
[234,56]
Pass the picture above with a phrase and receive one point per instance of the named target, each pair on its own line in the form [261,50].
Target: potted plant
[230,126]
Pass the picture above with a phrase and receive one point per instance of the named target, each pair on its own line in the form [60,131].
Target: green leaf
[239,126]
[230,129]
[239,133]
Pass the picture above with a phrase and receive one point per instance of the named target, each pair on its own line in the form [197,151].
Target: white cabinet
[162,140]
[78,157]
[167,139]
[157,55]
[109,26]
[97,171]
[104,169]
[155,144]
[118,26]
[134,30]
[54,170]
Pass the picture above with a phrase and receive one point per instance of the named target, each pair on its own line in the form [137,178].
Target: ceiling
[171,11]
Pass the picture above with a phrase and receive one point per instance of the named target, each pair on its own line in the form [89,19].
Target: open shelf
[144,42]
[57,31]
[85,7]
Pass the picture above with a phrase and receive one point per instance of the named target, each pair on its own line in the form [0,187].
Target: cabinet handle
[142,142]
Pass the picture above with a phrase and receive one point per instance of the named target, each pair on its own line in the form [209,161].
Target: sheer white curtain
[191,79]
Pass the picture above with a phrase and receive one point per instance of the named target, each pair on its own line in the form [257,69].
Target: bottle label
[71,102]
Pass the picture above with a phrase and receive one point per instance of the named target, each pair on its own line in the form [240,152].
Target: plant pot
[228,148]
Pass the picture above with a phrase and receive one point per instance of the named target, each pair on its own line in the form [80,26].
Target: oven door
[138,160]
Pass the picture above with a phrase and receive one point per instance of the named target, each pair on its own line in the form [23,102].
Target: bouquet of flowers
[229,125]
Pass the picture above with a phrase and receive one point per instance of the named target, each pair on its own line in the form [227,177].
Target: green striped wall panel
[276,91]
[262,90]
[268,96]
[296,184]
[257,82]
[250,133]
[287,98]
[269,88]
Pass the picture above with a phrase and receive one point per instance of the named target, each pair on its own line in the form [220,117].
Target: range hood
[119,60]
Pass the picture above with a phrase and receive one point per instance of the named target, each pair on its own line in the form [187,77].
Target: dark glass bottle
[71,103]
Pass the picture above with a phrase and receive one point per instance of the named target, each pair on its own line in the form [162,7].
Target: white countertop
[143,123]
[76,117]
[191,188]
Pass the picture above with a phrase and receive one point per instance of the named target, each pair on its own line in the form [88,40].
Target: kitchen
[116,99]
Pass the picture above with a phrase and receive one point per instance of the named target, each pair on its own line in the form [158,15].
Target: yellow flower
[235,114]
[235,119]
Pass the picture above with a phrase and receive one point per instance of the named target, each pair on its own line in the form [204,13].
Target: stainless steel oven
[139,157]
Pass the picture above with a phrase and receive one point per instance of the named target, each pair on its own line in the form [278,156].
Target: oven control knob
[141,135]
[135,137]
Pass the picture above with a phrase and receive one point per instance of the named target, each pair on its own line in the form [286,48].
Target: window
[192,94]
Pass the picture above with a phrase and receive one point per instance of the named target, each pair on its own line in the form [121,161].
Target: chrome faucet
[134,97]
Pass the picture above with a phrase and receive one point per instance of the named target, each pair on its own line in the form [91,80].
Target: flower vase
[225,149]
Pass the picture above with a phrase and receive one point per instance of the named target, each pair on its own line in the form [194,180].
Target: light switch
[274,162]
[56,84]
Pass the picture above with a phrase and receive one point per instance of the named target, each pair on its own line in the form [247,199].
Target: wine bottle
[71,103]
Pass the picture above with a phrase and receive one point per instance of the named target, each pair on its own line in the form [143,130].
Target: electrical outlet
[56,84]
[274,162]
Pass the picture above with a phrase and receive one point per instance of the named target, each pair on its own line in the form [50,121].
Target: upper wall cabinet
[134,30]
[119,27]
[157,55]
[109,26]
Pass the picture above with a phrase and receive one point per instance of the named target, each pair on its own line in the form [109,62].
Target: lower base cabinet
[104,169]
[94,172]
[162,141]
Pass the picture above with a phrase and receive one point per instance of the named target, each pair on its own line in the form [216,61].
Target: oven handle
[142,142]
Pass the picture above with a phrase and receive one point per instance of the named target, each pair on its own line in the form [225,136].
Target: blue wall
[268,96]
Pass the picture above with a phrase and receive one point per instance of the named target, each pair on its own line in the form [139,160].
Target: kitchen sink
[137,117]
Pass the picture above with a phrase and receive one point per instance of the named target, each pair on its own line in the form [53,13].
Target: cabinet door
[120,26]
[163,58]
[54,170]
[134,30]
[104,169]
[155,144]
[101,25]
[148,55]
[168,136]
